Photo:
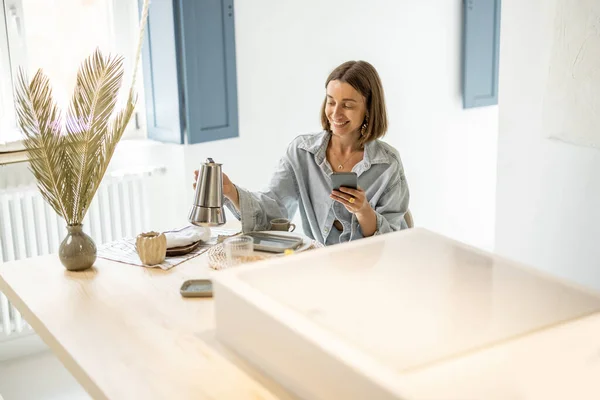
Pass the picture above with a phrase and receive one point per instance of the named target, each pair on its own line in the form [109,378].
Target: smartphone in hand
[345,179]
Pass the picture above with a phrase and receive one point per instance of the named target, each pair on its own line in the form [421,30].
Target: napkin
[188,235]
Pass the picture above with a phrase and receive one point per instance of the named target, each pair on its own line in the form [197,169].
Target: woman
[353,117]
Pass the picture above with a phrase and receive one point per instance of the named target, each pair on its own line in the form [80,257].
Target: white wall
[167,206]
[548,192]
[286,49]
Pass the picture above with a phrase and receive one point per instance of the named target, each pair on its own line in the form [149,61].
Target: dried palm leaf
[40,122]
[114,134]
[69,166]
[94,100]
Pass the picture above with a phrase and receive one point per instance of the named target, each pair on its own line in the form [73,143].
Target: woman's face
[345,108]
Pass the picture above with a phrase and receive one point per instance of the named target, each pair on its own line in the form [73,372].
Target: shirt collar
[317,145]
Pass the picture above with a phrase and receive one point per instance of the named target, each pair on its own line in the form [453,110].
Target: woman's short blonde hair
[363,77]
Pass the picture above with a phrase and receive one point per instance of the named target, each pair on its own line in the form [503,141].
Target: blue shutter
[208,69]
[481,48]
[161,78]
[190,71]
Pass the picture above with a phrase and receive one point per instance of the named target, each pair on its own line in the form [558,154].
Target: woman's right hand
[229,189]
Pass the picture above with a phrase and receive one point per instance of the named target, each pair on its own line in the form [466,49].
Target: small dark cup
[282,224]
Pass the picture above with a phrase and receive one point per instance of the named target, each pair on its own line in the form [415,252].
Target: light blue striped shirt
[302,183]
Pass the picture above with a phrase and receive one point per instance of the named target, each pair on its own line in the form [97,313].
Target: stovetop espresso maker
[207,209]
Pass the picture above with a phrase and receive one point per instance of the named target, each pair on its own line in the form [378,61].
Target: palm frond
[94,100]
[113,136]
[39,119]
[69,167]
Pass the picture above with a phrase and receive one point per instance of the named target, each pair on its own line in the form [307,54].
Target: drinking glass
[238,249]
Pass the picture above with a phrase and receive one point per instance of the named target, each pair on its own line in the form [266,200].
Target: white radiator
[30,227]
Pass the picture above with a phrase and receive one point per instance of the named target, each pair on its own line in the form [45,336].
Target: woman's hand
[354,200]
[229,189]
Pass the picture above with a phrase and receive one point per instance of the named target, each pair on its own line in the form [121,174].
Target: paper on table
[124,251]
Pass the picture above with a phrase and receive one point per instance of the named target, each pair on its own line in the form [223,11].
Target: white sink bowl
[348,321]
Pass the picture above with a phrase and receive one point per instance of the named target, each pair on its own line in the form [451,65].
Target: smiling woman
[354,118]
[349,83]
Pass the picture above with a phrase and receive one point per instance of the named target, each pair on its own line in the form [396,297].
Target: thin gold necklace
[341,166]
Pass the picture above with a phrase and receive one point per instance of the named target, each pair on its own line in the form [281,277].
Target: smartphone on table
[196,288]
[344,179]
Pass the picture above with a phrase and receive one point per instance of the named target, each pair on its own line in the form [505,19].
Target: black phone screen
[345,179]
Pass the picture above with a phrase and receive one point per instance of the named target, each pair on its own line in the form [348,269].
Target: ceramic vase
[77,251]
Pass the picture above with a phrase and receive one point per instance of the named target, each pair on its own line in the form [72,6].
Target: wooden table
[125,332]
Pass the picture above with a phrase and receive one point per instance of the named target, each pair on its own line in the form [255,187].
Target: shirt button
[326,230]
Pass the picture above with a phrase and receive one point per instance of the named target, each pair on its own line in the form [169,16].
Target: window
[57,35]
[8,132]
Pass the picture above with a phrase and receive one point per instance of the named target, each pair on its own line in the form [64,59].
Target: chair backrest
[409,219]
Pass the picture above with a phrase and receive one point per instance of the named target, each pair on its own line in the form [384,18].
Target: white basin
[348,321]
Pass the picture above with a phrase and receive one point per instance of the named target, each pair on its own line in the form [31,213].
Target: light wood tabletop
[125,332]
[464,324]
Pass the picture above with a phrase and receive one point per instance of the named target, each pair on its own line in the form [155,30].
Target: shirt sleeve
[279,200]
[390,209]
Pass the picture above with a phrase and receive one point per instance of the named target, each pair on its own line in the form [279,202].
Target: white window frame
[13,53]
[9,134]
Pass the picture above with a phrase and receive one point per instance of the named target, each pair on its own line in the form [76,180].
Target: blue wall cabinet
[190,71]
[481,50]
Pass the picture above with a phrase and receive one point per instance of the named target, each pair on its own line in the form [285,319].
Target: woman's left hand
[354,200]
